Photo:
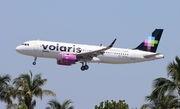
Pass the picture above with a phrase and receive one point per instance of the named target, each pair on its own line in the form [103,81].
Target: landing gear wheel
[86,67]
[82,68]
[34,63]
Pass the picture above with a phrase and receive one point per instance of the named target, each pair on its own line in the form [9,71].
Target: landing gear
[34,63]
[84,67]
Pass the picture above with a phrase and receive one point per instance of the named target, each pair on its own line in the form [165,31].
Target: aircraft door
[37,48]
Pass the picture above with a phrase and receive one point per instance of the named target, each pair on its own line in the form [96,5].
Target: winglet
[111,45]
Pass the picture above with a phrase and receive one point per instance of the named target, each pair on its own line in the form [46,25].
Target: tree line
[26,87]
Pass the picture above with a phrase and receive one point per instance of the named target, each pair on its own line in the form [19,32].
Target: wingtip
[113,43]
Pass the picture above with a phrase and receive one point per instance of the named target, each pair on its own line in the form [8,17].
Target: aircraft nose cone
[18,49]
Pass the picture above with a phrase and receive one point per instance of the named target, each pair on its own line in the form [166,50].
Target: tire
[34,63]
[86,67]
[82,68]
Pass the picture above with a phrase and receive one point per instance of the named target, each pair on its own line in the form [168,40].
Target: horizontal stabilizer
[152,55]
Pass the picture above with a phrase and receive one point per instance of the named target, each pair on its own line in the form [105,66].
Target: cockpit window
[25,44]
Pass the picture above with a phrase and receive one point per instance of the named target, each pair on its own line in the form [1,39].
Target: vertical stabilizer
[152,42]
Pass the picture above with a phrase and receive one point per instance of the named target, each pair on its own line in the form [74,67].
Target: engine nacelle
[67,59]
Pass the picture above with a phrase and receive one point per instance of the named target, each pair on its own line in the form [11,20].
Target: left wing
[95,53]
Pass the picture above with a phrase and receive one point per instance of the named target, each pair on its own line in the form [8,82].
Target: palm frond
[33,104]
[173,69]
[66,104]
[53,104]
[49,92]
[18,82]
[26,78]
[38,82]
[10,106]
[38,92]
[5,79]
[163,85]
[147,106]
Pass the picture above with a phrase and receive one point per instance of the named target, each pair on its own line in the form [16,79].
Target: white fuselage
[49,49]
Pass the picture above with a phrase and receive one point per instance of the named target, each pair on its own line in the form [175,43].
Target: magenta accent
[149,47]
[67,59]
[146,43]
[59,63]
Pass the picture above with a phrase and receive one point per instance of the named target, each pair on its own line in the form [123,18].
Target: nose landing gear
[34,63]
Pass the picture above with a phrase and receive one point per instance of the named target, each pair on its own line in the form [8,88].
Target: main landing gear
[34,63]
[84,67]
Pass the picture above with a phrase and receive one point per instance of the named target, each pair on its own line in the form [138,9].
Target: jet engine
[67,59]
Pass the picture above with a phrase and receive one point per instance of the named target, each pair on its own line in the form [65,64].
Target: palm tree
[165,88]
[5,88]
[166,102]
[54,104]
[164,85]
[26,87]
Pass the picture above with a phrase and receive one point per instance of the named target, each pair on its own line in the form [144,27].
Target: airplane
[68,54]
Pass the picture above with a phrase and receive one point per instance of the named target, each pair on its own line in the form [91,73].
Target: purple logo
[150,42]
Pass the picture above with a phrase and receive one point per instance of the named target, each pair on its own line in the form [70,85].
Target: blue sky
[89,22]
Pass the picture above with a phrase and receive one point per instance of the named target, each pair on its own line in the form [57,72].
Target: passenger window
[25,44]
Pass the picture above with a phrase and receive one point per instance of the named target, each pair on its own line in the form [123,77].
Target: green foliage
[24,88]
[4,80]
[16,106]
[162,96]
[5,89]
[27,87]
[168,101]
[112,105]
[54,104]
